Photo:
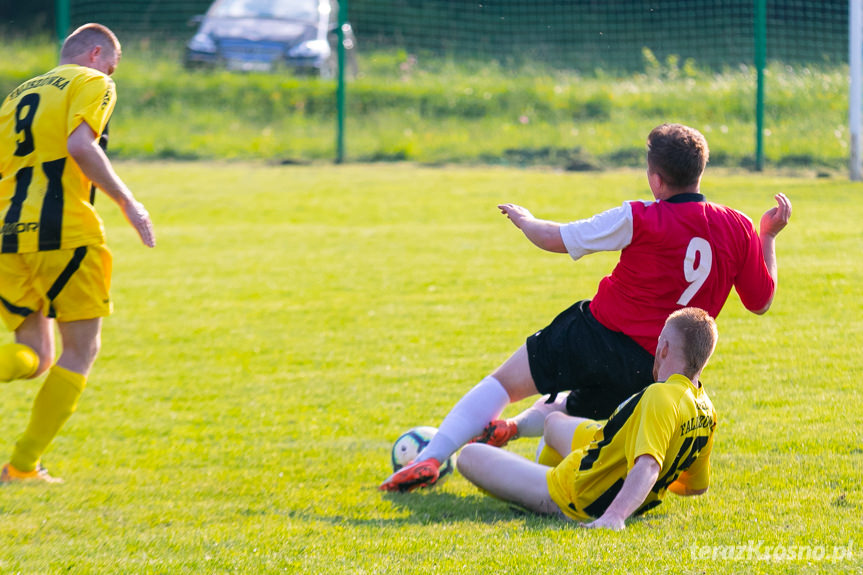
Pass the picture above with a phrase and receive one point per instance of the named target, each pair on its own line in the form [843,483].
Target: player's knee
[87,351]
[467,459]
[44,365]
[554,427]
[543,406]
[554,419]
[95,348]
[81,355]
[46,359]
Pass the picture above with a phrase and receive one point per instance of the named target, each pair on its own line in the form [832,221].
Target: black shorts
[600,367]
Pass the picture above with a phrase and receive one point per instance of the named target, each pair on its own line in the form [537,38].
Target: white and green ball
[410,443]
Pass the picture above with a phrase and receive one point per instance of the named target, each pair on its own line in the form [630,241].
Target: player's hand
[139,217]
[517,214]
[605,522]
[776,218]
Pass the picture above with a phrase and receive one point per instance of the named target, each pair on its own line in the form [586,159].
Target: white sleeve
[608,231]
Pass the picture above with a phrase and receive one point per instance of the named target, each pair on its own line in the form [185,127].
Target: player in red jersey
[676,251]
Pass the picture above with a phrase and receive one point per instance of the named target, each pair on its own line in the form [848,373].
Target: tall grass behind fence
[572,84]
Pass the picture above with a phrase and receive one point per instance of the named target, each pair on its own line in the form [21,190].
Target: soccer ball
[410,443]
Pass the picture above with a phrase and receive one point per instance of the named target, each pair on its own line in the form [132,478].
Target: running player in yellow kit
[659,439]
[54,264]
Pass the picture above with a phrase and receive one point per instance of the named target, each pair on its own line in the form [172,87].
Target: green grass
[293,320]
[437,110]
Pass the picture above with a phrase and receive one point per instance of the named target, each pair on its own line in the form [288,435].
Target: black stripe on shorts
[16,309]
[65,276]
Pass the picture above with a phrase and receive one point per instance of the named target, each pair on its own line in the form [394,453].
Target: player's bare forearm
[768,247]
[95,165]
[544,234]
[636,487]
[773,221]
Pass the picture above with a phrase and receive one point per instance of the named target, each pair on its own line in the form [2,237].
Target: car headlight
[202,43]
[311,49]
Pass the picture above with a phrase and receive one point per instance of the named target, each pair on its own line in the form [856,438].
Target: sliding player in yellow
[657,440]
[54,264]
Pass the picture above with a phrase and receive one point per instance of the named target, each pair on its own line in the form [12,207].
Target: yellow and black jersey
[673,422]
[45,199]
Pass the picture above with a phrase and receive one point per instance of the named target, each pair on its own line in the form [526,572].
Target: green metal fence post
[760,64]
[340,91]
[61,8]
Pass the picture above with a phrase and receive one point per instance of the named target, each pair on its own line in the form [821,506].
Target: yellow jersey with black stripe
[673,422]
[45,200]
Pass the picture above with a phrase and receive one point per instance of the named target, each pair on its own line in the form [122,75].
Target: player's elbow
[81,142]
[77,149]
[549,239]
[763,309]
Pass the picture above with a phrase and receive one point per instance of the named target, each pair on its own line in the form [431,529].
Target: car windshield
[282,9]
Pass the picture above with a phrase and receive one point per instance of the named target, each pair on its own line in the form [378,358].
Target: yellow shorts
[561,479]
[69,284]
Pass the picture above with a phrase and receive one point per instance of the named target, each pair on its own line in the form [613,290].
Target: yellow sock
[549,456]
[17,361]
[54,404]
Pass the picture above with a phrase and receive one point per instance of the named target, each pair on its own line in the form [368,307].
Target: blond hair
[698,336]
[88,36]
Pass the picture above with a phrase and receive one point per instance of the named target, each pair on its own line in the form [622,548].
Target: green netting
[807,31]
[582,35]
[160,19]
[573,83]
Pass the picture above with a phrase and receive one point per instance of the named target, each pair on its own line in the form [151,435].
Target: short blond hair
[698,336]
[86,37]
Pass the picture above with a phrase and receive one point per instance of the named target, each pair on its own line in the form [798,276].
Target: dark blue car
[270,35]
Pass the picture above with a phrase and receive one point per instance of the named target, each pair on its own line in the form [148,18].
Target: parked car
[269,35]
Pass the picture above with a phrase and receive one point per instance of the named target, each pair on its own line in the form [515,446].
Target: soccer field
[294,320]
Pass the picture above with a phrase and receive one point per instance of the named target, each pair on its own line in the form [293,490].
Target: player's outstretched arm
[544,234]
[636,487]
[773,221]
[83,148]
[776,218]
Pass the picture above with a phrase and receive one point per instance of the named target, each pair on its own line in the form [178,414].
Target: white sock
[467,419]
[539,449]
[531,421]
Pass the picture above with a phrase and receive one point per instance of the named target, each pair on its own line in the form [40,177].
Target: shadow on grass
[433,506]
[428,507]
[438,506]
[442,507]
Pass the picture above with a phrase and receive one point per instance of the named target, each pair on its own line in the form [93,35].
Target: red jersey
[675,253]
